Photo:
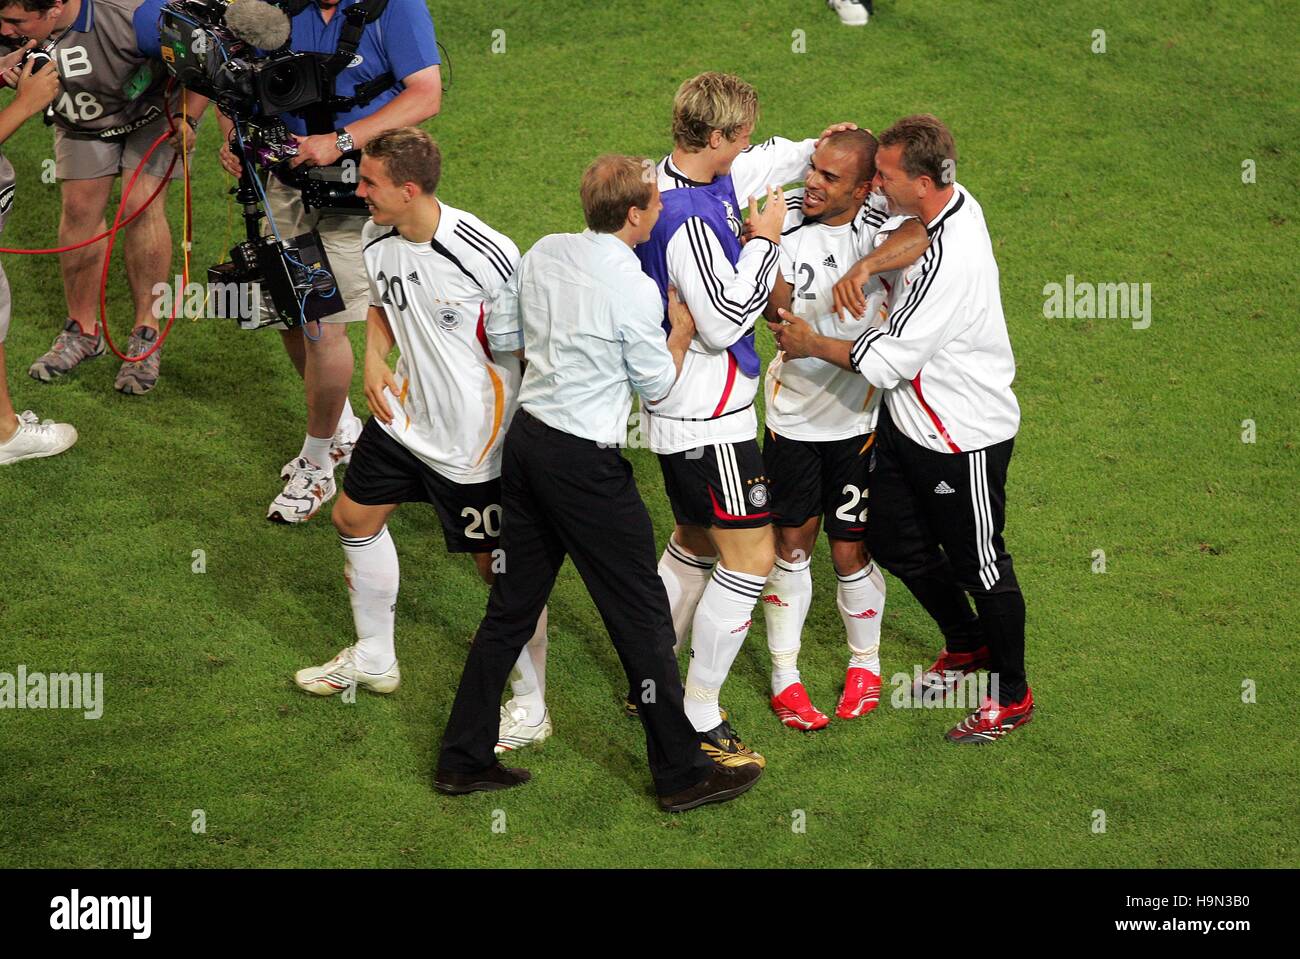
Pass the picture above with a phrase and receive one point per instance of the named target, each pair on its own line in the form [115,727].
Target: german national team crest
[758,495]
[448,319]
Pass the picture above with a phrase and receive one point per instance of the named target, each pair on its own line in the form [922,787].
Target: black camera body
[205,55]
[290,274]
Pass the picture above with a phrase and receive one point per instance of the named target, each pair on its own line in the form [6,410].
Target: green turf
[1122,166]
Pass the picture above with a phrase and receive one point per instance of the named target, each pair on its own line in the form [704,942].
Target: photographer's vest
[109,88]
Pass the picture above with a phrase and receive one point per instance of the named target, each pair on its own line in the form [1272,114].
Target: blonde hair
[712,101]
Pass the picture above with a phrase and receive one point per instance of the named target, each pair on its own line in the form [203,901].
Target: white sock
[684,576]
[318,451]
[861,599]
[528,678]
[371,571]
[718,631]
[786,599]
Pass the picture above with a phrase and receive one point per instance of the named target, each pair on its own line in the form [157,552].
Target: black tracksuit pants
[564,495]
[936,523]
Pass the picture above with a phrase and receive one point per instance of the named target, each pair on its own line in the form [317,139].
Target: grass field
[1122,166]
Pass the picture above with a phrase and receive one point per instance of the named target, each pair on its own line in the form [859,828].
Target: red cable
[95,239]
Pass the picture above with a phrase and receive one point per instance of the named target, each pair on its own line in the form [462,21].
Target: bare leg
[82,217]
[8,421]
[327,376]
[147,248]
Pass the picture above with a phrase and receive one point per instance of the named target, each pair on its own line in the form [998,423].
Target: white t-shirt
[808,399]
[457,395]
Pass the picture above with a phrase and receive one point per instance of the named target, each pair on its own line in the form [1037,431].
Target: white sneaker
[345,438]
[341,445]
[341,672]
[853,13]
[308,489]
[35,438]
[516,733]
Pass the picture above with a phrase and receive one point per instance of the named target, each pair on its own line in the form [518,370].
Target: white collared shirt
[588,321]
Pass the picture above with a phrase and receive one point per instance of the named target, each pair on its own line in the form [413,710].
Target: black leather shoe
[494,777]
[723,783]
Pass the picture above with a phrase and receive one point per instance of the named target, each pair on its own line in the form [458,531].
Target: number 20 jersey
[457,397]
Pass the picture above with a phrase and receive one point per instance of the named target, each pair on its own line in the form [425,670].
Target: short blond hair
[611,186]
[712,101]
[410,156]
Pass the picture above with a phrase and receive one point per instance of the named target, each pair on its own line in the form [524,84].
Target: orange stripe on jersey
[776,390]
[871,391]
[401,400]
[867,445]
[498,411]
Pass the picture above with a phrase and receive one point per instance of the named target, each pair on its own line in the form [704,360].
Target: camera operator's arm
[229,162]
[378,374]
[35,93]
[420,100]
[186,121]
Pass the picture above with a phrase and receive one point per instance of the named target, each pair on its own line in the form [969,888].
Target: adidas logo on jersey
[413,277]
[943,487]
[830,261]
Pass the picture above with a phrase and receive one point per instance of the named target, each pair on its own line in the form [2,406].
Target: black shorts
[723,485]
[384,471]
[830,479]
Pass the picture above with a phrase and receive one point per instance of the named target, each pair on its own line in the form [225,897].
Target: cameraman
[112,107]
[393,80]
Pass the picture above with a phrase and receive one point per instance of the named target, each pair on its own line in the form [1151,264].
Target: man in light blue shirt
[587,322]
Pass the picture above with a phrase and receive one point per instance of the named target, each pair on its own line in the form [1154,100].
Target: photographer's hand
[9,64]
[318,150]
[36,91]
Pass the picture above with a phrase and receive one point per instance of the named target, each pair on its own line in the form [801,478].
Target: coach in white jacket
[945,434]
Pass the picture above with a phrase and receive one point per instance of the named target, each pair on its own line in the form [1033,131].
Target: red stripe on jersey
[720,513]
[481,332]
[916,385]
[731,381]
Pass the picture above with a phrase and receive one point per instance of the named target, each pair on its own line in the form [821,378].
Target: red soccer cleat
[992,721]
[946,673]
[796,710]
[861,693]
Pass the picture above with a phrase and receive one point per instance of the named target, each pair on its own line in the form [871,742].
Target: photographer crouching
[382,56]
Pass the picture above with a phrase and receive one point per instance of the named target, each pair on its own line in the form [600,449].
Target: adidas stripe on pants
[936,524]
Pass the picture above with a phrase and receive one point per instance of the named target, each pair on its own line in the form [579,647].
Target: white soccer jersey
[457,397]
[713,402]
[944,357]
[808,399]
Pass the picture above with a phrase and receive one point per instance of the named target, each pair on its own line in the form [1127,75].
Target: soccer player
[438,421]
[112,108]
[23,436]
[817,447]
[946,428]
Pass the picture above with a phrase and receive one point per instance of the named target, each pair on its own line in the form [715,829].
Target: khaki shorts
[78,159]
[341,238]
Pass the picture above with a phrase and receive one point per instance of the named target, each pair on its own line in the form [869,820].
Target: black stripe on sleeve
[490,251]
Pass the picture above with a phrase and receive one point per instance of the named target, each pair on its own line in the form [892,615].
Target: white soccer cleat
[515,732]
[853,13]
[308,489]
[341,672]
[35,438]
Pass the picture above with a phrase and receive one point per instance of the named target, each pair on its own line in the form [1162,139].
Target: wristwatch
[343,140]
